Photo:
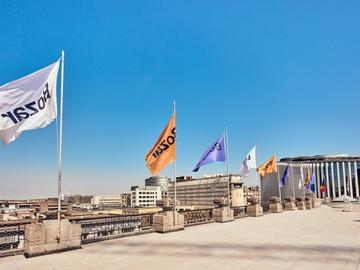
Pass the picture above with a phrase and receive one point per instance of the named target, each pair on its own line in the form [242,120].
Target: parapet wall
[41,237]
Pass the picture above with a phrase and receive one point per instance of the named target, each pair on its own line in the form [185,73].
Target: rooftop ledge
[321,238]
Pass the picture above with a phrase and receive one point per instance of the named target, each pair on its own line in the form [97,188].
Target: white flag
[300,185]
[28,103]
[301,179]
[249,162]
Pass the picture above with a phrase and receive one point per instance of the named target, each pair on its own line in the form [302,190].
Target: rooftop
[323,238]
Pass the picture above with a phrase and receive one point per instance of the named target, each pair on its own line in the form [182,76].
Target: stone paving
[323,238]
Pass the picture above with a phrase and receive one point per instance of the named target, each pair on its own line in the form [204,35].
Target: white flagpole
[174,107]
[60,144]
[278,176]
[256,165]
[227,164]
[292,177]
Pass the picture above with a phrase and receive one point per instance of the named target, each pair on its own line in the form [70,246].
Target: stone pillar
[308,204]
[40,237]
[350,180]
[300,204]
[347,205]
[327,179]
[275,208]
[255,210]
[332,180]
[168,221]
[275,205]
[311,197]
[223,214]
[338,177]
[356,180]
[290,203]
[344,178]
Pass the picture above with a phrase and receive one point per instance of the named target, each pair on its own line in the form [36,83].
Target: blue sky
[283,74]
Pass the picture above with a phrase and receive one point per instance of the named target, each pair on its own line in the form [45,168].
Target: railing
[108,227]
[12,237]
[240,211]
[197,217]
[103,227]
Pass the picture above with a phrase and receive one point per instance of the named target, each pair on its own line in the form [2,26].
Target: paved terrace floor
[324,238]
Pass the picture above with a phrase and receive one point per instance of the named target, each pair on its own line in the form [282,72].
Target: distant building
[251,192]
[82,206]
[51,206]
[23,209]
[338,172]
[126,199]
[108,201]
[158,181]
[77,198]
[145,196]
[201,193]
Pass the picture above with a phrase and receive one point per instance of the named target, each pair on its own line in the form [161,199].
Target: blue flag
[311,184]
[283,178]
[216,152]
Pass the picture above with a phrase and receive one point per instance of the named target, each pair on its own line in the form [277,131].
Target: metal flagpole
[278,177]
[292,177]
[302,177]
[60,143]
[174,107]
[227,164]
[257,158]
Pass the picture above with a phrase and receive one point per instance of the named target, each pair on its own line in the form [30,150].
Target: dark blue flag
[283,178]
[312,183]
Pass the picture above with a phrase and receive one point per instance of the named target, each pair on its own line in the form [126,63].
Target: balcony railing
[240,211]
[196,217]
[12,237]
[108,227]
[103,227]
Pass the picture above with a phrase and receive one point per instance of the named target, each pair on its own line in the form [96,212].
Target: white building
[201,192]
[145,196]
[111,200]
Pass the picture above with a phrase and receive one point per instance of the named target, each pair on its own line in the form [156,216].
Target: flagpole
[303,178]
[227,164]
[259,177]
[277,169]
[292,176]
[60,144]
[174,108]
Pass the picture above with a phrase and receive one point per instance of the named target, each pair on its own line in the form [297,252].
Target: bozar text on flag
[28,103]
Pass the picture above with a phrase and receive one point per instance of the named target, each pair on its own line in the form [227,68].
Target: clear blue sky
[283,74]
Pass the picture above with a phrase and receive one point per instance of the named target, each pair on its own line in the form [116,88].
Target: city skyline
[285,77]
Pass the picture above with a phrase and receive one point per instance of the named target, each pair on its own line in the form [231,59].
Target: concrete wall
[40,238]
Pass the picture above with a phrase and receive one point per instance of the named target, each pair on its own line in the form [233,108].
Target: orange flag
[268,167]
[307,178]
[164,151]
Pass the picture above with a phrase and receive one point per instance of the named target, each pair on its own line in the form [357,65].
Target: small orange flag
[307,179]
[268,167]
[164,151]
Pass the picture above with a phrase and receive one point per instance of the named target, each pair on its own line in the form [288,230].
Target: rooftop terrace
[323,238]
